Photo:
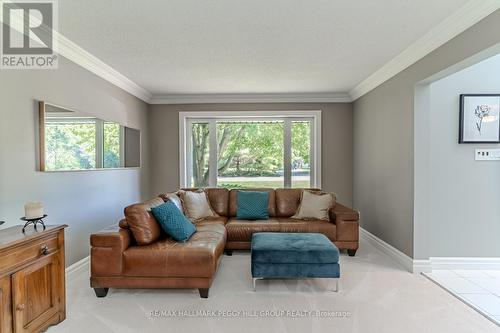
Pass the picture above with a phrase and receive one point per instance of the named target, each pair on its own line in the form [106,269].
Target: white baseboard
[422,266]
[464,263]
[77,266]
[388,249]
[433,263]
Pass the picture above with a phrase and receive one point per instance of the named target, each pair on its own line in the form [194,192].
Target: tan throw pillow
[315,206]
[196,205]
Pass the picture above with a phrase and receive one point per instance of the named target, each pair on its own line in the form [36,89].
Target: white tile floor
[478,288]
[376,294]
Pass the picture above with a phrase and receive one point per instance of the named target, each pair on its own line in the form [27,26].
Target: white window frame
[99,138]
[185,119]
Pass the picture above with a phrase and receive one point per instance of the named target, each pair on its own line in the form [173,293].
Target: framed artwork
[479,118]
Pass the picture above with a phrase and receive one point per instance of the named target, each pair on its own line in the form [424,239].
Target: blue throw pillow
[252,205]
[173,222]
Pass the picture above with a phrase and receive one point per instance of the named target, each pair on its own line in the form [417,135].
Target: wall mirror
[73,140]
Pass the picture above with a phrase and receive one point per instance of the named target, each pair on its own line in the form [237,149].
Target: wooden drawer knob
[45,250]
[20,307]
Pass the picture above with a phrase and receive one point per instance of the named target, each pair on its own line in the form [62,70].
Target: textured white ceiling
[251,46]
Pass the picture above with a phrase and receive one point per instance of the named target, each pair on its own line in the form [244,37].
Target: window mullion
[213,151]
[287,153]
[99,143]
[186,180]
[312,155]
[122,146]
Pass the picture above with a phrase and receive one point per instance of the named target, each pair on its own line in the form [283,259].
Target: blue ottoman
[294,255]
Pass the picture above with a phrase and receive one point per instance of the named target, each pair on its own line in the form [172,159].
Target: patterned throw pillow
[252,205]
[315,206]
[173,222]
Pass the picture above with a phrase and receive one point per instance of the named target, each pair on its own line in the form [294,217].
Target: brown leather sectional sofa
[119,261]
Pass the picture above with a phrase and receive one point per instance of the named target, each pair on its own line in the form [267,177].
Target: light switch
[487,155]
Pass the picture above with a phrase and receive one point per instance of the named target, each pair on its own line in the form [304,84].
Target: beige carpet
[376,295]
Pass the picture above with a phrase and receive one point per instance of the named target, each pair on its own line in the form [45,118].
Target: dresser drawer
[18,256]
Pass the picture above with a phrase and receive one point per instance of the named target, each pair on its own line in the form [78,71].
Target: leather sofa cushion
[317,226]
[211,220]
[218,198]
[242,230]
[198,257]
[288,200]
[233,200]
[142,223]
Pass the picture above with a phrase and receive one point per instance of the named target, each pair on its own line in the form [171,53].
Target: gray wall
[463,193]
[85,200]
[384,138]
[132,147]
[336,168]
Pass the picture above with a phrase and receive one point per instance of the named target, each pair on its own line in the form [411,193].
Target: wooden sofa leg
[203,292]
[101,292]
[229,252]
[351,253]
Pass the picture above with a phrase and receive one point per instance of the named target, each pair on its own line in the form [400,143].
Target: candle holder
[34,221]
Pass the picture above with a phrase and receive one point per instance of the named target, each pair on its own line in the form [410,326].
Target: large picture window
[235,150]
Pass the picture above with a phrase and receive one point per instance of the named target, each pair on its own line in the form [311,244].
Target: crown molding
[79,56]
[73,52]
[250,98]
[465,17]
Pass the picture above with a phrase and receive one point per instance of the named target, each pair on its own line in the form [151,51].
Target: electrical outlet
[487,155]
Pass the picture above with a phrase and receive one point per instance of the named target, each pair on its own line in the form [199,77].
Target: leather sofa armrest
[341,212]
[113,236]
[346,220]
[106,254]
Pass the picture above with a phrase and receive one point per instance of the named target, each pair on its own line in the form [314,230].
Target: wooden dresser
[32,280]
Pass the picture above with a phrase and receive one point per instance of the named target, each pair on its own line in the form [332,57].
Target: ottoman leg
[255,284]
[336,286]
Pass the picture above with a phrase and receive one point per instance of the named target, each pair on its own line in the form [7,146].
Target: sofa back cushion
[218,198]
[142,223]
[288,201]
[233,200]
